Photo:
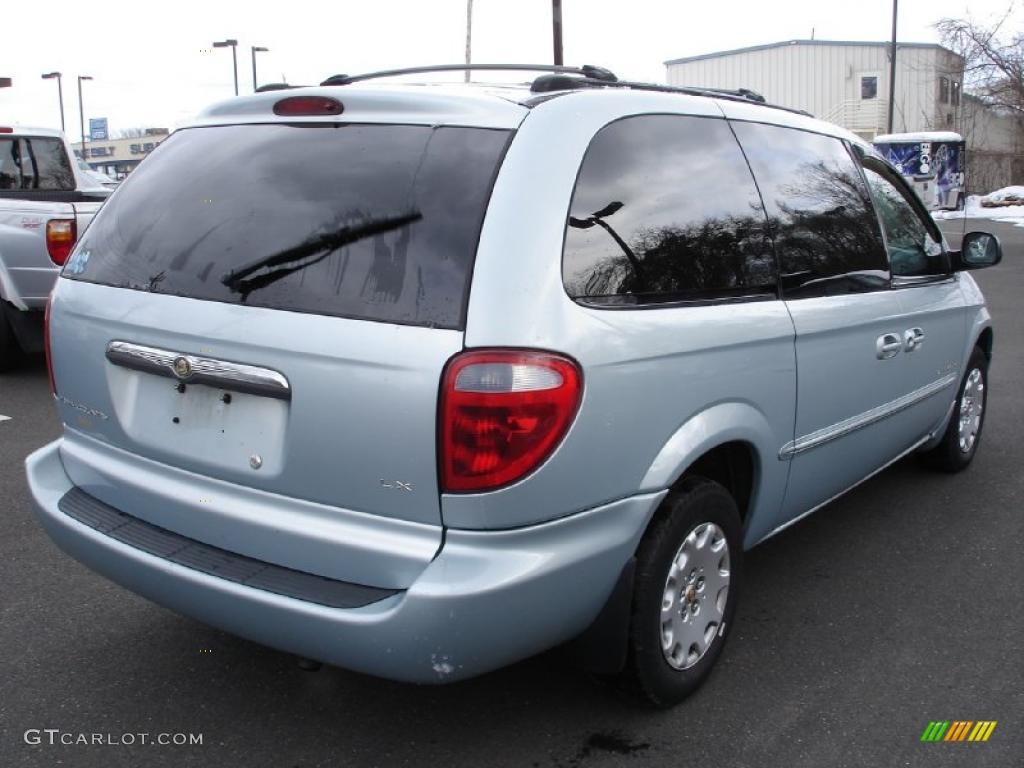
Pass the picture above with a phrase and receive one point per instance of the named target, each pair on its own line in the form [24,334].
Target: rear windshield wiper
[324,245]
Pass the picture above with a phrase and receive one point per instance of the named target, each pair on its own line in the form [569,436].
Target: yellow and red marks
[958,730]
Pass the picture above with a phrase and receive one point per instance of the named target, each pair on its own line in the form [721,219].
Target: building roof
[785,43]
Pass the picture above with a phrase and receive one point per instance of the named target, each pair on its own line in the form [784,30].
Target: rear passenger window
[35,164]
[665,210]
[825,231]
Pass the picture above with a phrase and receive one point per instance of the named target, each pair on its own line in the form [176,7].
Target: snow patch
[1005,205]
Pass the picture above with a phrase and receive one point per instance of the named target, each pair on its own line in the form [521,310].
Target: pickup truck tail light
[503,413]
[46,345]
[60,239]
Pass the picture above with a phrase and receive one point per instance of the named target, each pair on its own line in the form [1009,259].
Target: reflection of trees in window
[825,229]
[709,258]
[826,235]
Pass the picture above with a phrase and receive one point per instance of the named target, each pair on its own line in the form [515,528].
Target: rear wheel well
[731,465]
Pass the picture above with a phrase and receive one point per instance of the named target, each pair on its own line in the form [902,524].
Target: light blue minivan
[420,380]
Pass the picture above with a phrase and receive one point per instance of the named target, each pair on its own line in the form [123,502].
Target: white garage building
[842,82]
[847,83]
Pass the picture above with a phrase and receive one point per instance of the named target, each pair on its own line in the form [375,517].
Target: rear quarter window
[212,202]
[665,210]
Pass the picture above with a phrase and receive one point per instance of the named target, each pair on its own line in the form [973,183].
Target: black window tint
[826,234]
[35,164]
[868,87]
[913,250]
[665,209]
[210,203]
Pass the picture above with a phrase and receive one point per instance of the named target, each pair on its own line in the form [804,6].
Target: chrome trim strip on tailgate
[843,428]
[193,369]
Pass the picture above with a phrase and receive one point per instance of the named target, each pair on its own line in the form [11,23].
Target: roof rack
[276,87]
[549,83]
[588,71]
[561,78]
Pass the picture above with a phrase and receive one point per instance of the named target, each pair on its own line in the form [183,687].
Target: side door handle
[912,339]
[888,345]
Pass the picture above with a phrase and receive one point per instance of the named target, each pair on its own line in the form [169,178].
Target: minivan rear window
[368,221]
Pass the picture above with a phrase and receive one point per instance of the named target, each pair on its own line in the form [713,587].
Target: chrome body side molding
[861,420]
[194,369]
[843,492]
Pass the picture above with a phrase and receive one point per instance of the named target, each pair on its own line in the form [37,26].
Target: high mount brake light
[503,413]
[60,239]
[308,106]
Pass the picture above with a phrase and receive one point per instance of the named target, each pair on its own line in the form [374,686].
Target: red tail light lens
[503,413]
[46,345]
[60,239]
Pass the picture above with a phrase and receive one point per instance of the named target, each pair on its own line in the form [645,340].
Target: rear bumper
[488,598]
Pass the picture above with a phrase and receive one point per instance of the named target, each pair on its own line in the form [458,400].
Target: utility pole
[469,35]
[81,111]
[892,68]
[556,29]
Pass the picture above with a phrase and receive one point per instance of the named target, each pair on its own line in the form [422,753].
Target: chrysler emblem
[182,367]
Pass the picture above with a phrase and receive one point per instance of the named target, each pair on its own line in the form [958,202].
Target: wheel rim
[696,591]
[972,404]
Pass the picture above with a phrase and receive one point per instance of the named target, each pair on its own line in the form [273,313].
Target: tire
[957,447]
[10,352]
[695,520]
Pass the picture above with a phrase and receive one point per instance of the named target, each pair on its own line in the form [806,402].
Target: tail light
[60,239]
[46,345]
[503,413]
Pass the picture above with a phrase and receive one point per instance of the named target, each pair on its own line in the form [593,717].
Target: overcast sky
[152,64]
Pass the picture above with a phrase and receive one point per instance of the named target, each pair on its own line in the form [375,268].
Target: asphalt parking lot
[897,605]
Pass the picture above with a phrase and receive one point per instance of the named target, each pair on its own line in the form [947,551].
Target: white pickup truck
[46,202]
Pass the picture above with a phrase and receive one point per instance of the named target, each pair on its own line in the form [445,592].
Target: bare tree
[993,59]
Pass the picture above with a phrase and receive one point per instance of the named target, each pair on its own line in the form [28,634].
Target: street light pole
[81,111]
[60,94]
[233,44]
[255,49]
[556,29]
[892,68]
[469,35]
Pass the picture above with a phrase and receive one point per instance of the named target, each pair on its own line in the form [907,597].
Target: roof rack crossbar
[587,70]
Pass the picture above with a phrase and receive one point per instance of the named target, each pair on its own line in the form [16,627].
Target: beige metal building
[840,81]
[847,83]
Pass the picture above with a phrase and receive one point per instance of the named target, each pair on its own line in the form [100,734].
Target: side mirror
[979,250]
